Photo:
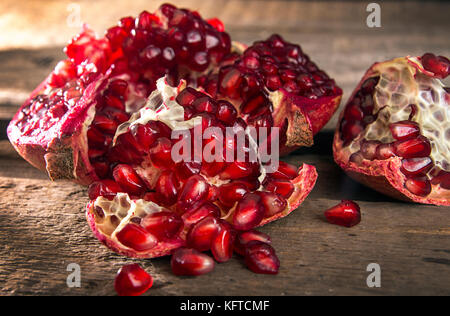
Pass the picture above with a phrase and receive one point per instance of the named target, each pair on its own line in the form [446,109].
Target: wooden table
[42,224]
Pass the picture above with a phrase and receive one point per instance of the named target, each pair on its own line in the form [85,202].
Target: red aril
[106,188]
[201,234]
[135,237]
[199,211]
[261,258]
[128,180]
[243,238]
[191,262]
[249,212]
[420,186]
[347,214]
[222,242]
[132,280]
[162,225]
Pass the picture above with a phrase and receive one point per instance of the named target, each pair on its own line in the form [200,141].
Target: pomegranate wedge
[394,134]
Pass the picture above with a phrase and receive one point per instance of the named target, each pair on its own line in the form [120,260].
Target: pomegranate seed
[230,82]
[404,130]
[439,65]
[128,179]
[106,188]
[205,104]
[237,170]
[132,280]
[420,186]
[369,149]
[195,189]
[161,153]
[273,203]
[285,171]
[347,214]
[201,234]
[226,112]
[353,113]
[281,187]
[105,124]
[443,179]
[166,187]
[411,148]
[249,212]
[350,130]
[261,258]
[231,192]
[416,166]
[163,225]
[191,262]
[186,169]
[385,151]
[187,96]
[135,237]
[196,214]
[217,24]
[222,242]
[244,238]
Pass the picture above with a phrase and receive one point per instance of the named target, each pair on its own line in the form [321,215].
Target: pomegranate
[273,83]
[393,135]
[150,203]
[132,280]
[67,125]
[347,213]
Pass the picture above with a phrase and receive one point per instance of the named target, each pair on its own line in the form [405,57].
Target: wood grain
[43,230]
[42,224]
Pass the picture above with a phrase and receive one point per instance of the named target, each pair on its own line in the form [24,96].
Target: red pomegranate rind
[386,173]
[60,150]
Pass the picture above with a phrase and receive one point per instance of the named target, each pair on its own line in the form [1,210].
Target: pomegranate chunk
[132,280]
[191,262]
[347,214]
[400,145]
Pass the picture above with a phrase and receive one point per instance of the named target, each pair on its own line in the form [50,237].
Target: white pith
[400,85]
[124,209]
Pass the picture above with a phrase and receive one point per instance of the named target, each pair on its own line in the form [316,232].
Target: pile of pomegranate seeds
[132,280]
[347,213]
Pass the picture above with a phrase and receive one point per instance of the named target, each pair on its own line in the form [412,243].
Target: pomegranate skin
[385,176]
[62,150]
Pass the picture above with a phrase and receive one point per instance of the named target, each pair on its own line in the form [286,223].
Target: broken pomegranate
[394,136]
[150,203]
[347,213]
[67,125]
[132,280]
[274,83]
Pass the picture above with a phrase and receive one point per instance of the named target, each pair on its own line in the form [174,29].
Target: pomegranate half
[394,134]
[150,204]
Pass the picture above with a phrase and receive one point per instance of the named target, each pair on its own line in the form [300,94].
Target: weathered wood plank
[43,230]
